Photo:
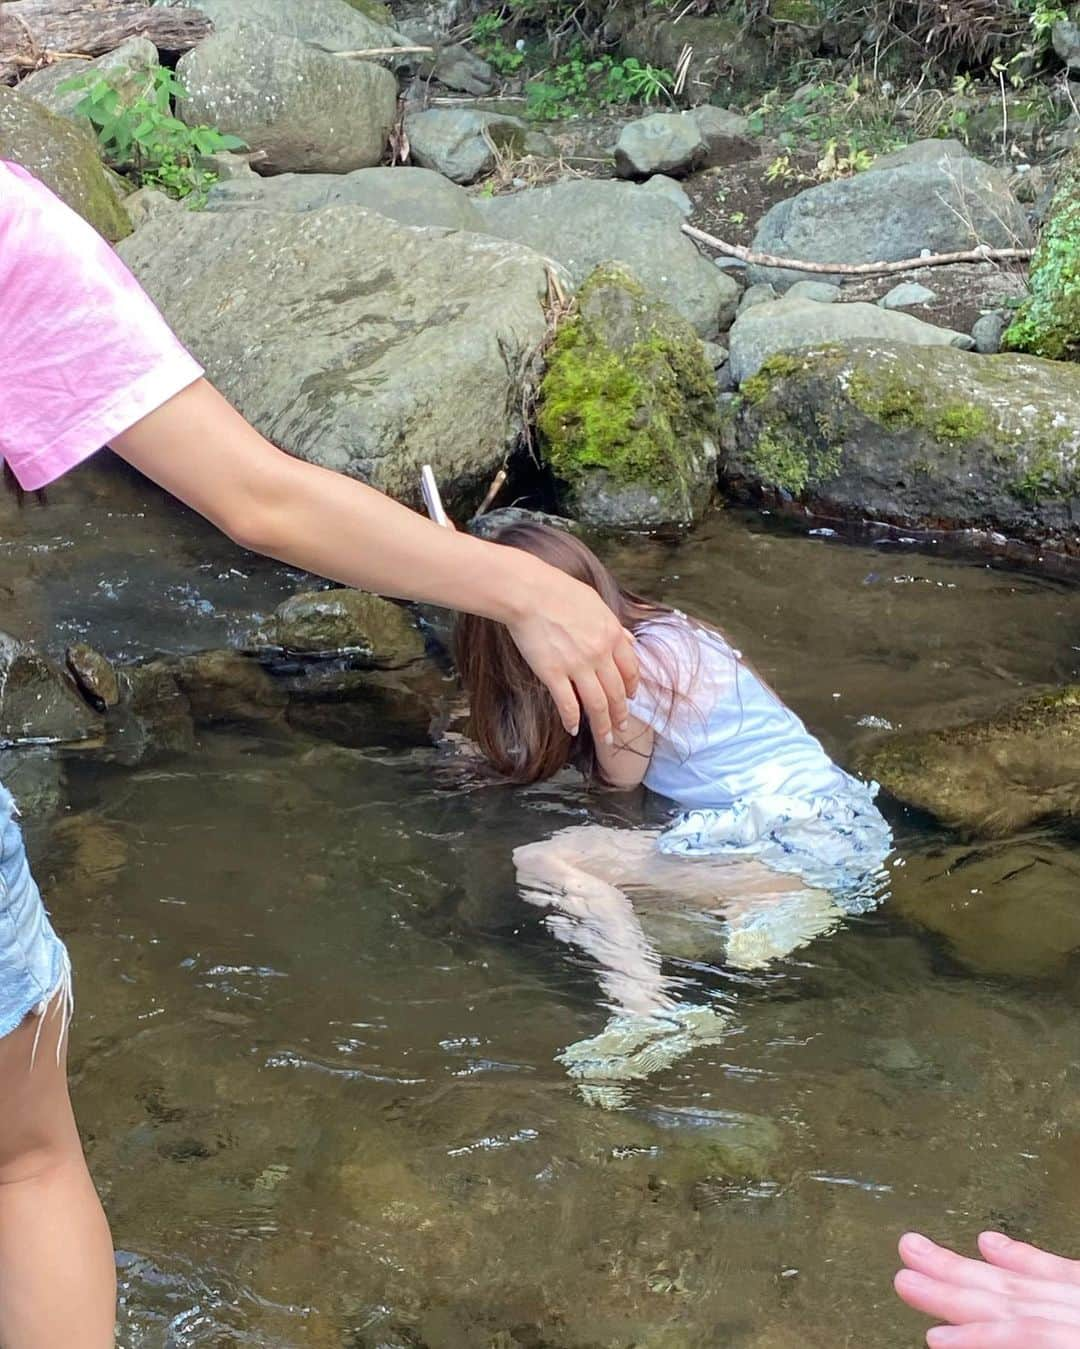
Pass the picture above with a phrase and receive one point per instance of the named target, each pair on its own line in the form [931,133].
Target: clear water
[314,1054]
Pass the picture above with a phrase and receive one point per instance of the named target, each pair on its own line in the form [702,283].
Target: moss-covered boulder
[993,776]
[1048,322]
[370,629]
[64,157]
[729,60]
[918,436]
[627,409]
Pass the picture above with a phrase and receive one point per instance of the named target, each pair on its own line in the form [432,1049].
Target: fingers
[960,1306]
[1029,1333]
[614,686]
[627,661]
[566,702]
[594,703]
[1004,1253]
[926,1257]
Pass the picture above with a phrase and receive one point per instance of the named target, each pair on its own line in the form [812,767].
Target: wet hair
[12,483]
[514,719]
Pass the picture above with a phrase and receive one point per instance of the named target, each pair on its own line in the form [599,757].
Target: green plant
[141,136]
[486,38]
[579,84]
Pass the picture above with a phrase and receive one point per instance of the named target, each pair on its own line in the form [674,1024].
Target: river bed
[314,1057]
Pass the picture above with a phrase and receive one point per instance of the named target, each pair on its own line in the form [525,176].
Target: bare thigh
[631,861]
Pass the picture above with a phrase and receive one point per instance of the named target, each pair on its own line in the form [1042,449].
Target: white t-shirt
[723,736]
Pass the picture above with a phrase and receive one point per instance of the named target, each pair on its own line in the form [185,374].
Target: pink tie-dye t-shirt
[84,354]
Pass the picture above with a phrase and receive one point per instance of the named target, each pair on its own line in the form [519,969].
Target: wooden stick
[34,33]
[983,253]
[497,484]
[385,51]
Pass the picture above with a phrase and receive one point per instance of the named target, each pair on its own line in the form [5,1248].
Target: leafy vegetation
[579,85]
[141,136]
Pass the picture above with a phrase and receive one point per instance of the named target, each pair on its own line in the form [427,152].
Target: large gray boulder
[663,142]
[461,143]
[352,341]
[945,205]
[795,322]
[582,224]
[64,157]
[410,196]
[924,436]
[304,109]
[333,25]
[129,69]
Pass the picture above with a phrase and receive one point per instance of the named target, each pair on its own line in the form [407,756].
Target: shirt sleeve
[84,353]
[684,681]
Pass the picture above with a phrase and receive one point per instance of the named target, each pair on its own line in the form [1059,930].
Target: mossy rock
[627,409]
[372,630]
[64,157]
[990,777]
[373,10]
[928,437]
[729,62]
[1048,322]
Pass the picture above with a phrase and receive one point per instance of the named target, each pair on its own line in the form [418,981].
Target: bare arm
[624,763]
[199,448]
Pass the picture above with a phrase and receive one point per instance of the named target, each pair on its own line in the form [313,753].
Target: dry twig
[386,51]
[982,253]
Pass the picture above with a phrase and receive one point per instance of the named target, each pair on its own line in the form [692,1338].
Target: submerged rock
[1048,322]
[915,435]
[304,109]
[36,701]
[355,342]
[994,776]
[949,204]
[462,143]
[1008,911]
[794,322]
[154,717]
[225,686]
[627,409]
[365,626]
[663,142]
[64,157]
[410,196]
[589,222]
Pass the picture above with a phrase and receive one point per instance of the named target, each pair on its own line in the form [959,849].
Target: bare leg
[598,918]
[57,1275]
[768,914]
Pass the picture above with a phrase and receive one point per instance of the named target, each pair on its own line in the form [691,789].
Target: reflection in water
[315,1055]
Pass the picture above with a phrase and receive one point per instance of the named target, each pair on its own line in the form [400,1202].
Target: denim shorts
[34,966]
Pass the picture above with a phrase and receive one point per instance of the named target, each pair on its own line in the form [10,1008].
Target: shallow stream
[314,1053]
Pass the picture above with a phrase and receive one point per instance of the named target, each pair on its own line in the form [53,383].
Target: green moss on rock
[374,10]
[65,158]
[1048,322]
[627,404]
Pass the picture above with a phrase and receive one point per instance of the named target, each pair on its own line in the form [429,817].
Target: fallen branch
[983,253]
[386,51]
[36,33]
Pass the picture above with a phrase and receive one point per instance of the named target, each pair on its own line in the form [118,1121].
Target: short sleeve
[84,354]
[686,675]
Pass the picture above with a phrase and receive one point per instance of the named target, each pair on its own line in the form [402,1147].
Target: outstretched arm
[199,448]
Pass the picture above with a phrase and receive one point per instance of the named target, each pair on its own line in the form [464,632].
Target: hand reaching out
[1016,1297]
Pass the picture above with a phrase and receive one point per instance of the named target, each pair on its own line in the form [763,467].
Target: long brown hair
[514,718]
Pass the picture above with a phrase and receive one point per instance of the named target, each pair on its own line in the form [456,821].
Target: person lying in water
[771,837]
